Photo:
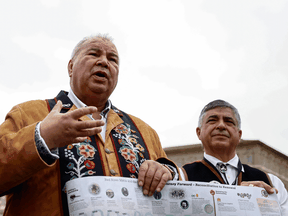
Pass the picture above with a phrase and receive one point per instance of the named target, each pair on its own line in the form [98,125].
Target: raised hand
[59,129]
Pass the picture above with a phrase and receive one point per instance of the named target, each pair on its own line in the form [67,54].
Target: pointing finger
[78,113]
[82,125]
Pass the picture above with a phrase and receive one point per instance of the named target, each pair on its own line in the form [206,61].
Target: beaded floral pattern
[130,148]
[84,159]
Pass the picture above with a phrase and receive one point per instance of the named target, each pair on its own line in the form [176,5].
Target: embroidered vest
[204,172]
[79,160]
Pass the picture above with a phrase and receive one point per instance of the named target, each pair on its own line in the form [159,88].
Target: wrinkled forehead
[220,112]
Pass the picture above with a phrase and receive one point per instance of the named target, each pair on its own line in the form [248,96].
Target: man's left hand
[262,184]
[153,176]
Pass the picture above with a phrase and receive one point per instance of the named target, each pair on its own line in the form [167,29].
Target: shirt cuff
[170,166]
[173,170]
[48,156]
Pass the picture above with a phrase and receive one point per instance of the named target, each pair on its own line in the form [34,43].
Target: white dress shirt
[232,167]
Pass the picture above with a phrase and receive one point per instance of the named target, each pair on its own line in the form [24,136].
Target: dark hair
[219,103]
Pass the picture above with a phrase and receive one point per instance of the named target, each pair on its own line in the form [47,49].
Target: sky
[175,57]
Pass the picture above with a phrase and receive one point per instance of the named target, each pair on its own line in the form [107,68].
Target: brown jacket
[32,186]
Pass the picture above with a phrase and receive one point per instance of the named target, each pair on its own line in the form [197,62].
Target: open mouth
[100,74]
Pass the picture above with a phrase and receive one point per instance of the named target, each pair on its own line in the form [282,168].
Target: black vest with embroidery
[79,160]
[197,171]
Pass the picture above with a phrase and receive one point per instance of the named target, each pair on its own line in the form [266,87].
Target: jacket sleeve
[19,158]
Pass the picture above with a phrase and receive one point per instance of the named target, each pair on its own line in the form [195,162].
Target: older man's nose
[102,61]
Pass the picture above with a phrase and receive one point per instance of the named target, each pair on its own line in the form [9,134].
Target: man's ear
[70,66]
[240,134]
[198,132]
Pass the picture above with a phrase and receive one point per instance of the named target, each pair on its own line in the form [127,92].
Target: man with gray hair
[219,129]
[46,143]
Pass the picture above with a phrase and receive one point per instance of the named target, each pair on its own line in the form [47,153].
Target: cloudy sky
[176,56]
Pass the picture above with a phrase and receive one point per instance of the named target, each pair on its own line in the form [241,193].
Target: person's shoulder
[32,106]
[193,164]
[250,168]
[140,123]
[28,111]
[254,174]
[137,119]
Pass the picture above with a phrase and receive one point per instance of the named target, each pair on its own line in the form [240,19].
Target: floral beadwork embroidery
[131,168]
[133,140]
[121,142]
[140,147]
[121,129]
[141,155]
[128,154]
[90,172]
[70,146]
[70,166]
[89,164]
[86,150]
[130,147]
[85,155]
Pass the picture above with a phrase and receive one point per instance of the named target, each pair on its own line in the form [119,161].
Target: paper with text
[91,196]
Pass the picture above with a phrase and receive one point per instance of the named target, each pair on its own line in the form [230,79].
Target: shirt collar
[233,162]
[79,104]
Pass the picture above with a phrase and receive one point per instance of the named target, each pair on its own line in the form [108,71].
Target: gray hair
[104,37]
[219,103]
